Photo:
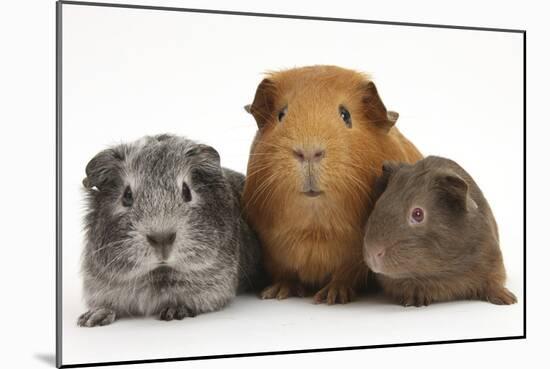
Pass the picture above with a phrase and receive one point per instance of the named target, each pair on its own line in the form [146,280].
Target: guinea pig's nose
[308,155]
[162,241]
[375,258]
[377,252]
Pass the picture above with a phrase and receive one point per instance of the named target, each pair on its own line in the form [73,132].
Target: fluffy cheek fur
[110,244]
[342,175]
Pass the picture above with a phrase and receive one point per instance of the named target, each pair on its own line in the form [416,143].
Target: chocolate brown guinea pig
[432,236]
[323,133]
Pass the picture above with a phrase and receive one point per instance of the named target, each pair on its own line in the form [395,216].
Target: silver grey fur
[214,253]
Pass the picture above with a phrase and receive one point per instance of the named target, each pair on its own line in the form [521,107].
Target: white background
[28,185]
[130,72]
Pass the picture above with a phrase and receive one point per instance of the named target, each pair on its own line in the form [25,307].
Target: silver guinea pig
[163,232]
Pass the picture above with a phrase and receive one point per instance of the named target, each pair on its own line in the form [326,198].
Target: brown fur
[452,254]
[317,242]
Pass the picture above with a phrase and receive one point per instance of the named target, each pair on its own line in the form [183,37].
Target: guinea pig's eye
[345,115]
[127,197]
[185,192]
[417,215]
[282,113]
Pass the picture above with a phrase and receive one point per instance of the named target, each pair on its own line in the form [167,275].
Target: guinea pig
[164,233]
[432,236]
[323,133]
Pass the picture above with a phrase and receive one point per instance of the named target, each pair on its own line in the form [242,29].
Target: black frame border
[58,176]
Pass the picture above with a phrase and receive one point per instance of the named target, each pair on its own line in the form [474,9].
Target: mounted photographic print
[238,184]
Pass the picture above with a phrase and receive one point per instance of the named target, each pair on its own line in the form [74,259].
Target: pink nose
[377,253]
[308,155]
[375,258]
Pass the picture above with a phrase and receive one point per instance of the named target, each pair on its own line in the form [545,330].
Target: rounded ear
[204,154]
[388,169]
[263,106]
[103,168]
[453,189]
[374,108]
[393,116]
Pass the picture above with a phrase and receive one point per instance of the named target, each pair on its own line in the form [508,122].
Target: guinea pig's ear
[393,116]
[454,190]
[204,154]
[103,168]
[374,108]
[263,106]
[388,169]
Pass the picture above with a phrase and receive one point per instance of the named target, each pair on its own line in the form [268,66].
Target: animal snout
[162,242]
[309,155]
[375,258]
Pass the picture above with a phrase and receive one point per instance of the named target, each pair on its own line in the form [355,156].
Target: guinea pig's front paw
[501,296]
[417,298]
[96,317]
[282,290]
[176,312]
[334,293]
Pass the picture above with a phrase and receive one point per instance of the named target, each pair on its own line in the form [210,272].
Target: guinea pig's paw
[418,299]
[176,312]
[501,296]
[282,290]
[96,317]
[334,293]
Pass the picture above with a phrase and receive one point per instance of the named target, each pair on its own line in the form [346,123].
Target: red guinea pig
[323,134]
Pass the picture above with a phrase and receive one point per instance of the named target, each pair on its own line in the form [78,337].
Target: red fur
[317,242]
